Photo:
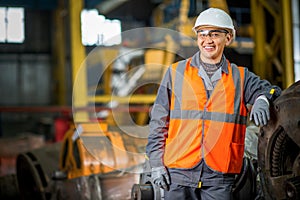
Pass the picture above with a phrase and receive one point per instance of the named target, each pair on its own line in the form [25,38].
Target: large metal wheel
[279,147]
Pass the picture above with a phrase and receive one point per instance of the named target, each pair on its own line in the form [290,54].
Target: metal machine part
[146,189]
[279,148]
[142,191]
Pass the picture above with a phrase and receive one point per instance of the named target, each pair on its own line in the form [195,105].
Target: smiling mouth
[209,48]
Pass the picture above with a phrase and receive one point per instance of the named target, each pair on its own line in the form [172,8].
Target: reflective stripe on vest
[214,128]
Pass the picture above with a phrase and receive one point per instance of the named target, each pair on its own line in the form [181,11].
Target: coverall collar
[195,62]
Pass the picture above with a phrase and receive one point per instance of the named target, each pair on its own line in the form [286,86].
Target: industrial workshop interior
[79,78]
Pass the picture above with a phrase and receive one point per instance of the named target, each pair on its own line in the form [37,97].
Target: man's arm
[159,123]
[255,87]
[259,93]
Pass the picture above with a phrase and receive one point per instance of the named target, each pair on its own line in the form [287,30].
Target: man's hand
[260,112]
[160,177]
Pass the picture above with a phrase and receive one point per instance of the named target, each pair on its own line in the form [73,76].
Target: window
[97,30]
[12,25]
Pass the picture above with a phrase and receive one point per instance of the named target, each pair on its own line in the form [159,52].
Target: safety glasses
[213,34]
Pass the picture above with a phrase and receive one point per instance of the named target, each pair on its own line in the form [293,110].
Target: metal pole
[77,60]
[60,55]
[258,22]
[287,43]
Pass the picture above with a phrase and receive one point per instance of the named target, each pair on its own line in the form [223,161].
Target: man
[198,121]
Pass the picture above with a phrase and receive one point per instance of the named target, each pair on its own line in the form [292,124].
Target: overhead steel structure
[273,38]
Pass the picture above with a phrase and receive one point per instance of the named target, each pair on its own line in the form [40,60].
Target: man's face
[211,42]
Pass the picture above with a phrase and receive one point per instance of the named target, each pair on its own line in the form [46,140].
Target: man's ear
[229,38]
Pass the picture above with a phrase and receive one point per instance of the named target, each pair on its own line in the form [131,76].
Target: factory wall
[26,74]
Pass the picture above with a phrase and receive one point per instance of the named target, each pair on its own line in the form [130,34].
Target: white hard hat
[214,17]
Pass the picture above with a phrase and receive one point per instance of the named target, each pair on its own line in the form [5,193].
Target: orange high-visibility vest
[214,128]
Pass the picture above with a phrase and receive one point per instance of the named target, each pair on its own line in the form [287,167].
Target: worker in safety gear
[198,121]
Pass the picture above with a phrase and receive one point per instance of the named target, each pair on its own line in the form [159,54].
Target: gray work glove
[160,177]
[260,112]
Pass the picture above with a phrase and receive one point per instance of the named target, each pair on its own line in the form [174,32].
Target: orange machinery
[94,161]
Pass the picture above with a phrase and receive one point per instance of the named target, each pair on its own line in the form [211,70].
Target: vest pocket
[236,157]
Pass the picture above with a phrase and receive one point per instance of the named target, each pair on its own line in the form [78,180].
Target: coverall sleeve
[159,122]
[254,87]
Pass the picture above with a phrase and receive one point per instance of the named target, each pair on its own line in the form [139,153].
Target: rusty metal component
[279,147]
[293,188]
